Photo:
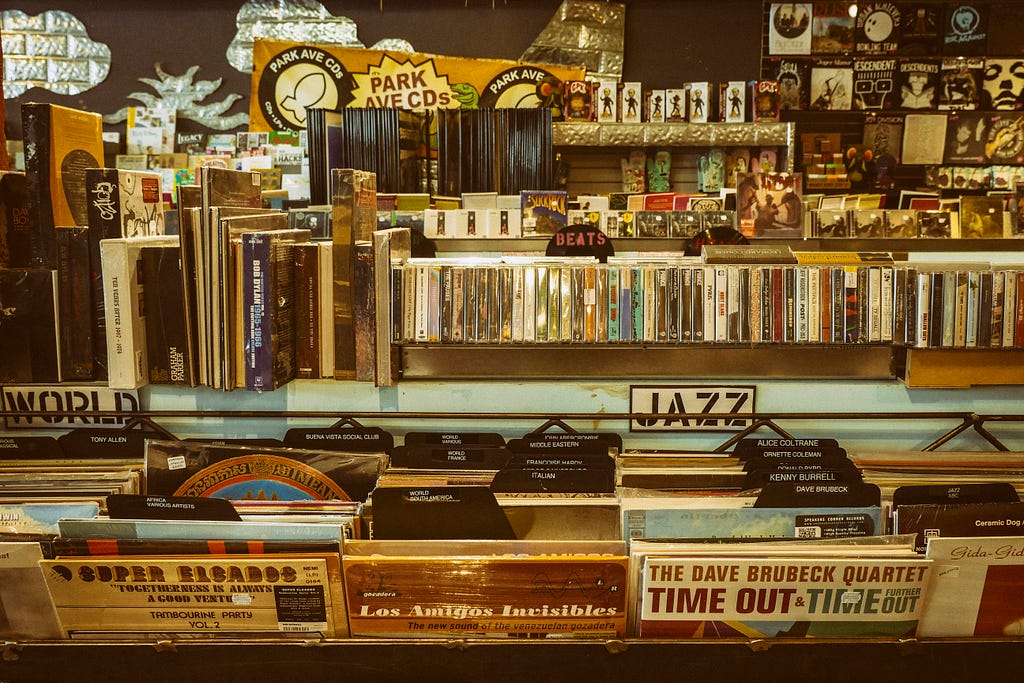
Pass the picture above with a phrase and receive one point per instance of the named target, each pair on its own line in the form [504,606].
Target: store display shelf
[697,361]
[514,660]
[625,245]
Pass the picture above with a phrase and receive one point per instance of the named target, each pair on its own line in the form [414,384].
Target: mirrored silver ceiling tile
[45,45]
[14,44]
[16,20]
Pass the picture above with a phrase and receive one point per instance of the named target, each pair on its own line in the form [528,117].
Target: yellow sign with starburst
[289,78]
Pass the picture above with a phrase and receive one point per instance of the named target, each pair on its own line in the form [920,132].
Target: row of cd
[496,301]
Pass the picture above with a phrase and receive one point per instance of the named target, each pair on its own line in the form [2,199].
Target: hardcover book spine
[325,314]
[36,122]
[166,340]
[16,235]
[74,282]
[256,314]
[365,313]
[126,346]
[343,202]
[307,311]
[282,311]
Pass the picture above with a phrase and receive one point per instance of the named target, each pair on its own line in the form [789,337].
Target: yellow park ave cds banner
[290,77]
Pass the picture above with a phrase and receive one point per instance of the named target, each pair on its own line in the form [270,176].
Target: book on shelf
[306,260]
[167,347]
[29,328]
[390,249]
[267,303]
[15,228]
[121,203]
[61,143]
[354,202]
[223,192]
[124,294]
[76,309]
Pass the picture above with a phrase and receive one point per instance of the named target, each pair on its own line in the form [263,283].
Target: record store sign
[76,406]
[288,78]
[683,408]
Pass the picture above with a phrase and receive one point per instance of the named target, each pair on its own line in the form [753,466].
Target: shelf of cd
[626,245]
[833,659]
[697,361]
[916,368]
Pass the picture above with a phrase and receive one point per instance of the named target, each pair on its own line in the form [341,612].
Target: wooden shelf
[962,368]
[698,361]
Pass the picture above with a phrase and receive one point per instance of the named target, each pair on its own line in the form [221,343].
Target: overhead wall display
[289,78]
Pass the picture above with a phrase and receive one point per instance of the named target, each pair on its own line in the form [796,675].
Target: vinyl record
[716,235]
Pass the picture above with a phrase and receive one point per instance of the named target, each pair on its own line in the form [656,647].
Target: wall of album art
[197,57]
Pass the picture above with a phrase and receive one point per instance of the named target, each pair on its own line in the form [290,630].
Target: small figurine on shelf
[711,171]
[633,172]
[658,171]
[632,102]
[860,165]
